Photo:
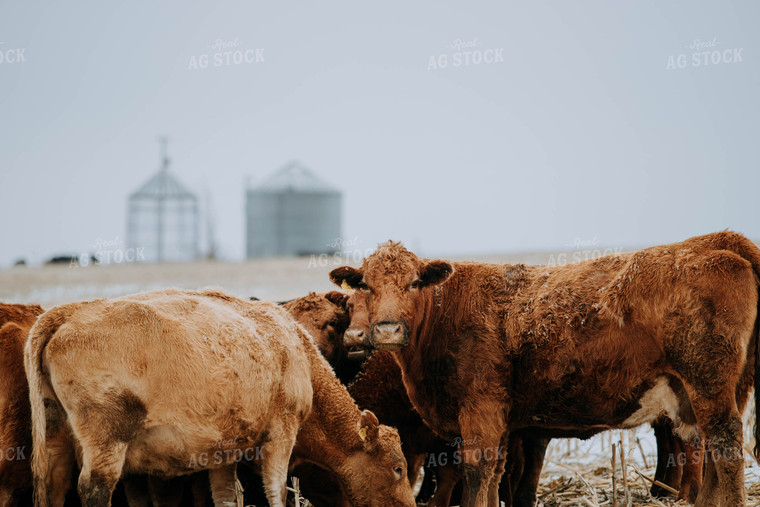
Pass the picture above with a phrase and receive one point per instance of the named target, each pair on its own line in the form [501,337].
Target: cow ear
[434,272]
[337,298]
[369,428]
[347,276]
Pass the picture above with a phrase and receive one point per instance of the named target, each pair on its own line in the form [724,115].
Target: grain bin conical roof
[162,184]
[295,177]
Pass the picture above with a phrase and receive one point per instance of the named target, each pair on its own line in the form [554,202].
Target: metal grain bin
[163,219]
[292,213]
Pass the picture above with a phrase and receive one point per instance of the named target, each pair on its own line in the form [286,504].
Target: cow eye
[416,284]
[362,285]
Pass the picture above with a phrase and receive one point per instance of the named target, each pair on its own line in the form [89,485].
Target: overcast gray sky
[575,129]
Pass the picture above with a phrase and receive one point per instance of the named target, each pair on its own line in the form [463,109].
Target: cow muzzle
[356,342]
[389,335]
[356,337]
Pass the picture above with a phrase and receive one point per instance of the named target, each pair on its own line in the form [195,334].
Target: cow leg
[476,478]
[166,492]
[60,454]
[669,457]
[428,486]
[493,486]
[276,456]
[691,479]
[721,425]
[534,450]
[710,480]
[513,469]
[61,461]
[101,469]
[477,469]
[225,489]
[137,491]
[483,427]
[447,476]
[199,485]
[414,464]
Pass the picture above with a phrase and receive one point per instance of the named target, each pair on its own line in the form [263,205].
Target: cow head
[356,337]
[376,472]
[395,282]
[325,317]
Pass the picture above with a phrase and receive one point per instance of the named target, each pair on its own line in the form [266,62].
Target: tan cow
[158,383]
[487,349]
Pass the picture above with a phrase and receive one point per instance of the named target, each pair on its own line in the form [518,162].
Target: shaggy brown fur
[15,435]
[607,343]
[198,372]
[380,389]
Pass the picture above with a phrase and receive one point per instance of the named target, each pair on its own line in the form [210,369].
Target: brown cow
[607,343]
[15,436]
[380,389]
[197,373]
[325,316]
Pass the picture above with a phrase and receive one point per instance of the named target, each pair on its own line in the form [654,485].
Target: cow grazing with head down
[198,373]
[325,317]
[614,342]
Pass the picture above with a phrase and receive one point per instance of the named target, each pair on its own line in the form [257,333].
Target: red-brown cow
[15,435]
[608,343]
[380,388]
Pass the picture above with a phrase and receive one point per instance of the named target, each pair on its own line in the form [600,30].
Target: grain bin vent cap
[295,177]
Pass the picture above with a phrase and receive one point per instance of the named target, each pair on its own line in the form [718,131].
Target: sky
[587,121]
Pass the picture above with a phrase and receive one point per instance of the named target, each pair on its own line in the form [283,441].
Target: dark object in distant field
[72,260]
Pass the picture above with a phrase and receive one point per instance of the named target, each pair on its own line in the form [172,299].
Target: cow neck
[422,332]
[330,433]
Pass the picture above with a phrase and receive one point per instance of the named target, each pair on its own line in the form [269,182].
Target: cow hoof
[659,492]
[689,492]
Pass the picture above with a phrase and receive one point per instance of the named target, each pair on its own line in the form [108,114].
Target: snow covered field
[271,279]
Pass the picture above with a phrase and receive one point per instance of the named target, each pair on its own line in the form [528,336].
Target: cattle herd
[463,369]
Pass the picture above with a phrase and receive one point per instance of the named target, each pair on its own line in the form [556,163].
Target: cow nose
[356,337]
[389,335]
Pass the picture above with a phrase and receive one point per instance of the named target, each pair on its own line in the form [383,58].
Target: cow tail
[47,324]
